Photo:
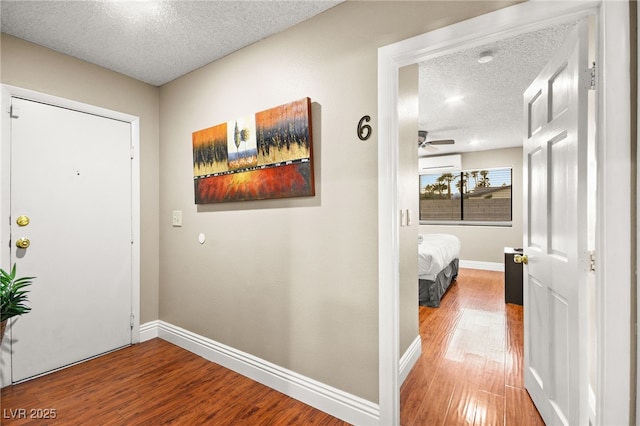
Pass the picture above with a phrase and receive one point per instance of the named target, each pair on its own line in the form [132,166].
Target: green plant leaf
[13,294]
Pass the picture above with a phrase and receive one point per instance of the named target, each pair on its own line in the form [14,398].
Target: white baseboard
[485,266]
[410,358]
[149,330]
[340,404]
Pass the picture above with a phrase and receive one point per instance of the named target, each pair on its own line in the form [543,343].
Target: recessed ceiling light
[140,10]
[456,98]
[485,57]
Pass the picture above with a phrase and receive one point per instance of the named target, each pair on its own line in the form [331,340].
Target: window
[467,197]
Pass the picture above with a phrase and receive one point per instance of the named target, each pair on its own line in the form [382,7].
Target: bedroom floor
[471,368]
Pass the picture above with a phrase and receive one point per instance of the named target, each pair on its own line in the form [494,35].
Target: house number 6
[364,130]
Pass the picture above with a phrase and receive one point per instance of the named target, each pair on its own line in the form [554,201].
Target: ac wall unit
[439,164]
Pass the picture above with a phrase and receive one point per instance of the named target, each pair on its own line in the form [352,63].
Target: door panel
[538,211]
[559,317]
[560,186]
[559,92]
[555,158]
[537,114]
[71,175]
[537,314]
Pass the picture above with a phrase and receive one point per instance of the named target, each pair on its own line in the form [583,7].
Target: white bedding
[435,251]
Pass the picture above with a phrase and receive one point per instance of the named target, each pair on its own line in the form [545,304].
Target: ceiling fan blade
[427,147]
[442,142]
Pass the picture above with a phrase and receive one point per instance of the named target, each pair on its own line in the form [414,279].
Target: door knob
[23,220]
[521,258]
[23,243]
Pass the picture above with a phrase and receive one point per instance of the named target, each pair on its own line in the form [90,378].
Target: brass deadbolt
[23,220]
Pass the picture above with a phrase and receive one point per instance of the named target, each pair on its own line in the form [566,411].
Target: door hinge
[592,72]
[131,321]
[592,261]
[132,151]
[14,111]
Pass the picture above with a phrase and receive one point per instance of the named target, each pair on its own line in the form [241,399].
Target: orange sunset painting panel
[210,150]
[274,182]
[283,133]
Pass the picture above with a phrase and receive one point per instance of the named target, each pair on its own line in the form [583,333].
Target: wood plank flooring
[470,373]
[471,368]
[153,383]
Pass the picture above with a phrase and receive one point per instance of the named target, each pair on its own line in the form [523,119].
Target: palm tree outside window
[475,197]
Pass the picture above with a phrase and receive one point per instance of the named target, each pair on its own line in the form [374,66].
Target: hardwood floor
[470,373]
[153,383]
[471,368]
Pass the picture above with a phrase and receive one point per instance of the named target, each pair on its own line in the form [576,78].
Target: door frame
[614,388]
[7,92]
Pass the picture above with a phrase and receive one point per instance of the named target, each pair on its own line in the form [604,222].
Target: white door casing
[555,234]
[95,244]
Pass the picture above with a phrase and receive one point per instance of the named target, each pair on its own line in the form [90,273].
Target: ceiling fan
[425,144]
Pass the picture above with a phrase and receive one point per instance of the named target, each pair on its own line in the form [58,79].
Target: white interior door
[555,234]
[71,176]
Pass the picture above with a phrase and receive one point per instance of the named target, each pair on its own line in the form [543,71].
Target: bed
[438,257]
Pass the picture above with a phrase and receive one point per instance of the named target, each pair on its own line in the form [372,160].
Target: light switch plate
[176,218]
[403,217]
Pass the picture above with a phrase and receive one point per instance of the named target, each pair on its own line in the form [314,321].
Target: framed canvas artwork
[256,157]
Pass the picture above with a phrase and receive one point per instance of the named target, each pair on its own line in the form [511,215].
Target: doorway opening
[477,105]
[612,18]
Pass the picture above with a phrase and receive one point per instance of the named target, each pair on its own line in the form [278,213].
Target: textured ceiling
[490,114]
[158,41]
[152,41]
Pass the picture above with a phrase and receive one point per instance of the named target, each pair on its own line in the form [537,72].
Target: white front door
[555,234]
[71,177]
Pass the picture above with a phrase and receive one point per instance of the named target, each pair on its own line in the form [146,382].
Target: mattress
[436,252]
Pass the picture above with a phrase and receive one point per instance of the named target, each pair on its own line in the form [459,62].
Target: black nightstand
[512,277]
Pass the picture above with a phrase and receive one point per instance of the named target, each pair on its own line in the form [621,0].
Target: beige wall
[294,281]
[486,243]
[29,66]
